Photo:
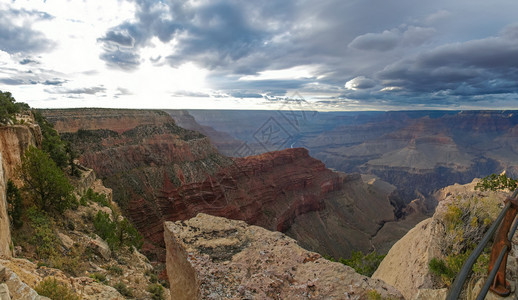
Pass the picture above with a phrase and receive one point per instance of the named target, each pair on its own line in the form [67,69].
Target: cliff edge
[215,258]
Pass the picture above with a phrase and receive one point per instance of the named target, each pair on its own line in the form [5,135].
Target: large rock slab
[211,257]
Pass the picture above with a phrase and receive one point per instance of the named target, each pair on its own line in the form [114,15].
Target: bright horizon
[242,55]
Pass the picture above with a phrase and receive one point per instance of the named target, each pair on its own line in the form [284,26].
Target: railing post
[500,285]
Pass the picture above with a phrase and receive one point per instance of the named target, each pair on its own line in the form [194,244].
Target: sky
[232,54]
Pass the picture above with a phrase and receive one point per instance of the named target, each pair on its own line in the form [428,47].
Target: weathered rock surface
[215,258]
[14,140]
[15,288]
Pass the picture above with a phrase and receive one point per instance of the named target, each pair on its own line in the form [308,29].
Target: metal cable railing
[501,247]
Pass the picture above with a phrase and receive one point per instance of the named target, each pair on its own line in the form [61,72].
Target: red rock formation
[269,190]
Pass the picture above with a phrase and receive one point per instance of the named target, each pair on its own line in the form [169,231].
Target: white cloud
[360,83]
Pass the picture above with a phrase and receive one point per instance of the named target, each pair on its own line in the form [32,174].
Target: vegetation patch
[55,290]
[364,264]
[465,221]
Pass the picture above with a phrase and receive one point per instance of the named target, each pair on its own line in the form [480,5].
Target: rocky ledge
[211,257]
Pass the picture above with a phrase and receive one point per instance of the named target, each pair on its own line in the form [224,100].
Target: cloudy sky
[334,54]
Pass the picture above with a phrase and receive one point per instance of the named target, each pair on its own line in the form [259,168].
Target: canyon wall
[161,172]
[14,140]
[416,151]
[215,258]
[118,120]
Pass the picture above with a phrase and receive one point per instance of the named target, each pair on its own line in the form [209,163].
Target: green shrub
[44,238]
[156,291]
[114,270]
[373,295]
[55,290]
[465,222]
[47,185]
[14,202]
[123,289]
[51,142]
[99,277]
[95,197]
[117,233]
[9,107]
[495,182]
[363,264]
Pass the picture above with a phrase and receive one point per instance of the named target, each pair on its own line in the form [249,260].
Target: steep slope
[215,258]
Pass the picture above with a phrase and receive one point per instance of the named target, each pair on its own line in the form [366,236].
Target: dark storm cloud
[118,38]
[213,34]
[121,59]
[16,38]
[397,52]
[484,66]
[56,82]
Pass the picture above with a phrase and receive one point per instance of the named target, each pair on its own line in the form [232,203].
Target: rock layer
[215,258]
[287,191]
[118,120]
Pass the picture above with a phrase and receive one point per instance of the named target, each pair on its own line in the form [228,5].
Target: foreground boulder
[216,258]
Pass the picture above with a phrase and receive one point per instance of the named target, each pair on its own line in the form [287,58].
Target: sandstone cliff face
[215,258]
[14,140]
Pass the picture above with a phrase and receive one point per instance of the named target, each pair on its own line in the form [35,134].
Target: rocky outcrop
[14,140]
[14,288]
[406,266]
[215,258]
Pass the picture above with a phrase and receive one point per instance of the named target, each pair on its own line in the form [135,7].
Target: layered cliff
[287,191]
[215,258]
[118,120]
[134,157]
[14,140]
